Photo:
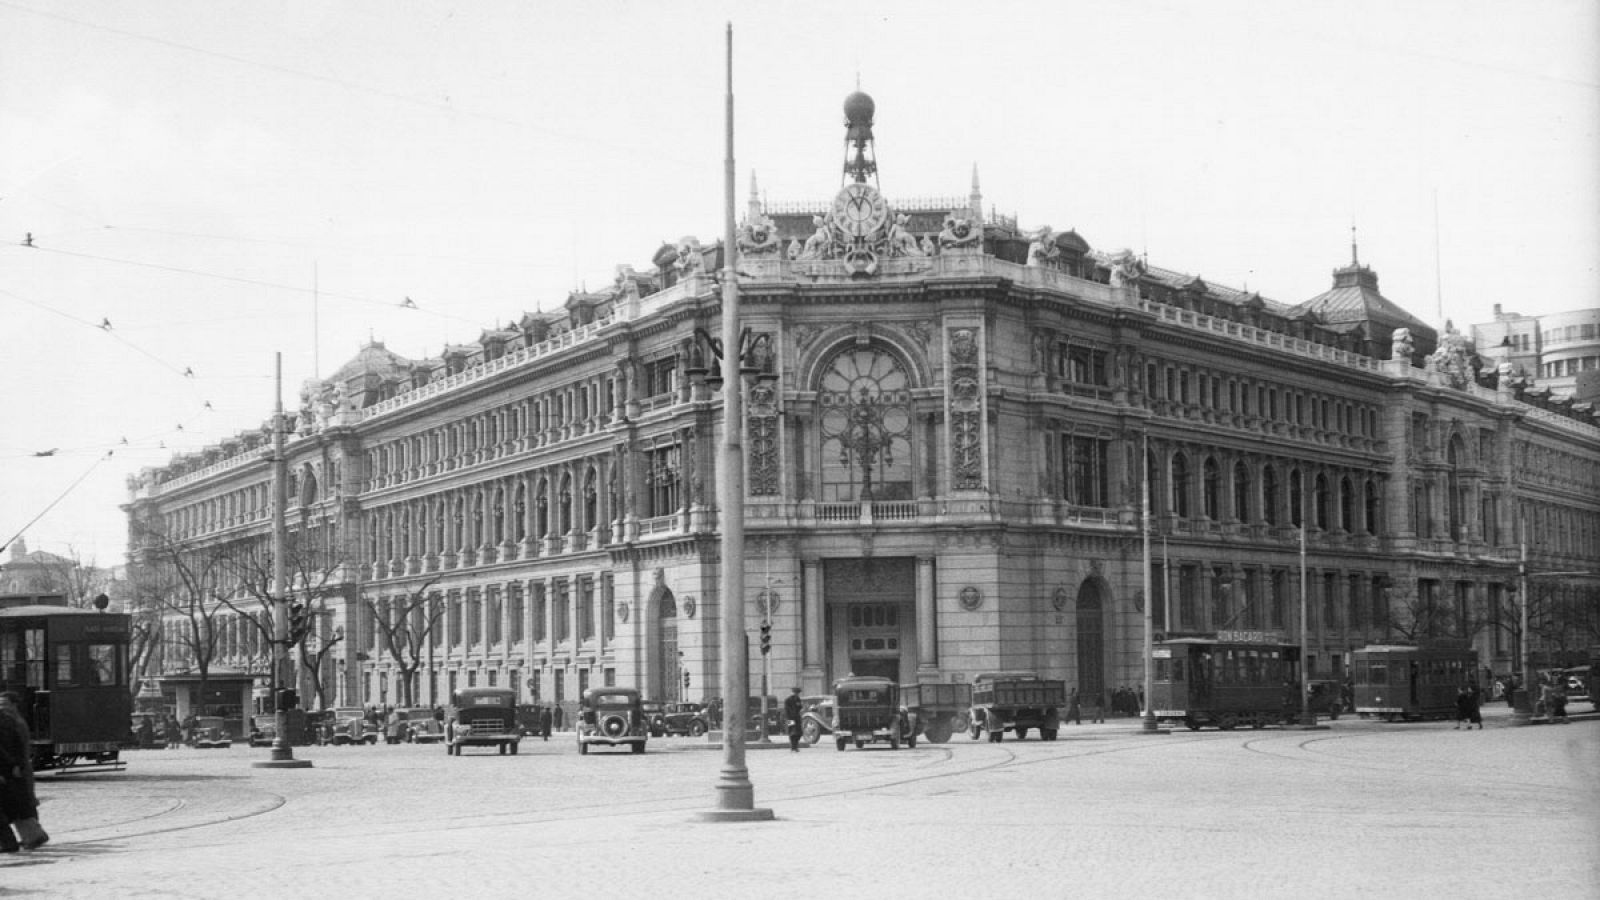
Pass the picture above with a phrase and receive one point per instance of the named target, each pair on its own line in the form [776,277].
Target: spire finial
[1355,258]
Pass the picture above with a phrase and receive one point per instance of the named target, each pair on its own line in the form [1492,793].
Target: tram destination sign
[1251,637]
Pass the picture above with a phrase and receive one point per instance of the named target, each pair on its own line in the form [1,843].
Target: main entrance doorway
[871,617]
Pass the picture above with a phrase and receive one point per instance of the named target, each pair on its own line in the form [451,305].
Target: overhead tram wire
[654,153]
[52,505]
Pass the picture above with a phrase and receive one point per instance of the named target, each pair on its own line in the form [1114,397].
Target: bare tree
[1417,616]
[181,584]
[315,573]
[405,625]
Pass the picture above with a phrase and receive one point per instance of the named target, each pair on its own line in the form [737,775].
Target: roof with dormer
[1354,301]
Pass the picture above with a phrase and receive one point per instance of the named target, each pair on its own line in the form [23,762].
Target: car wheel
[894,739]
[811,731]
[911,742]
[1021,732]
[697,728]
[841,742]
[1047,735]
[583,749]
[639,747]
[513,749]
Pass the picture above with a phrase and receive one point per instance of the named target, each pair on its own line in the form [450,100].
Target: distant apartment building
[1559,351]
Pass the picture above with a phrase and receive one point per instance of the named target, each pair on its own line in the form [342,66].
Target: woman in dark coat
[19,807]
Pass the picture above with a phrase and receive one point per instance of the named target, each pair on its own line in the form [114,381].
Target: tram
[1234,678]
[1412,681]
[69,666]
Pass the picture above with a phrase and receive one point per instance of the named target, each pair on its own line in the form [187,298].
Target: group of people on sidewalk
[19,805]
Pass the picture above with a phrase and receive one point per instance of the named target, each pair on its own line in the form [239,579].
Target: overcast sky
[220,181]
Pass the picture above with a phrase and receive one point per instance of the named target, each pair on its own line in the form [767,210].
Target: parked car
[263,730]
[776,727]
[685,719]
[351,726]
[211,732]
[655,714]
[420,726]
[816,717]
[612,716]
[483,717]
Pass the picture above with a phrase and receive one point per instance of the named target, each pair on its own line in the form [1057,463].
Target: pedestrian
[1463,708]
[189,723]
[147,733]
[1097,708]
[1074,713]
[19,806]
[1474,708]
[791,714]
[173,732]
[1558,700]
[555,715]
[544,722]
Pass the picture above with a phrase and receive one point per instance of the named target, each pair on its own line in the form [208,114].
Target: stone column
[814,670]
[927,623]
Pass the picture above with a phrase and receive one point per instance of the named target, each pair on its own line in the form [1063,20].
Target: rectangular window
[1188,596]
[1085,477]
[660,376]
[585,609]
[663,478]
[541,617]
[1086,365]
[563,613]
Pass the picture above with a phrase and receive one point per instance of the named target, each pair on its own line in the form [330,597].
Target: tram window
[1177,670]
[103,666]
[1377,673]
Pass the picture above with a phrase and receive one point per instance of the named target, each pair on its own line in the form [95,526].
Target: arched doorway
[668,681]
[1090,623]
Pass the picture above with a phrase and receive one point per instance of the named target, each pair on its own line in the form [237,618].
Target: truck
[1016,702]
[939,709]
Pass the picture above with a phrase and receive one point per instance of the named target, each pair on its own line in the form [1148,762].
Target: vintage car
[420,726]
[655,713]
[816,717]
[613,716]
[482,717]
[263,730]
[867,709]
[685,719]
[776,727]
[210,732]
[351,726]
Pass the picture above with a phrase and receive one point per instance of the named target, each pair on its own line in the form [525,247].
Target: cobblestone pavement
[1360,809]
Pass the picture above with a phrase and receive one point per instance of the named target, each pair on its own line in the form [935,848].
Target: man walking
[791,714]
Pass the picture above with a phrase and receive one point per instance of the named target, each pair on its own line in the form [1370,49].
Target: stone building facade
[951,428]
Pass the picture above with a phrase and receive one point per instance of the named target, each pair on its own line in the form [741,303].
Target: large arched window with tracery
[865,421]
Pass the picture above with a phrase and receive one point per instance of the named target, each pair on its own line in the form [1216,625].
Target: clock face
[860,210]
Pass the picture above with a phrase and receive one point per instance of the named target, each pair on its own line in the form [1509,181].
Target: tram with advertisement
[1225,680]
[1400,682]
[69,667]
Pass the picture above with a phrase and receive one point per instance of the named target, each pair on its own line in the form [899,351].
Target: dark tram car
[1202,681]
[69,666]
[1411,681]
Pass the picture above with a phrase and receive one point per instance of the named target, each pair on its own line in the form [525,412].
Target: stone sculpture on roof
[758,237]
[1454,358]
[1043,250]
[959,234]
[1126,269]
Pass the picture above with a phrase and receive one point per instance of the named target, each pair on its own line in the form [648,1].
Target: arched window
[1455,458]
[1180,485]
[1347,505]
[1373,511]
[1269,495]
[864,397]
[1241,492]
[1323,502]
[1296,499]
[1212,489]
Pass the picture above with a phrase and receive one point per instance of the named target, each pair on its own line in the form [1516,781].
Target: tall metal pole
[735,796]
[1305,672]
[1524,709]
[282,755]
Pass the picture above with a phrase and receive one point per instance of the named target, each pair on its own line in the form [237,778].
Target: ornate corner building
[950,428]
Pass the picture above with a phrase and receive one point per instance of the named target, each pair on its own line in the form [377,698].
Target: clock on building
[859,210]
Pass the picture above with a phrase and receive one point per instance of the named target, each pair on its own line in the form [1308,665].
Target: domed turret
[858,110]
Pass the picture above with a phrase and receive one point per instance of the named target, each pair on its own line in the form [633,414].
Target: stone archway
[1089,619]
[666,682]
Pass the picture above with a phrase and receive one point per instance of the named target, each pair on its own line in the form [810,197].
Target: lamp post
[735,795]
[282,755]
